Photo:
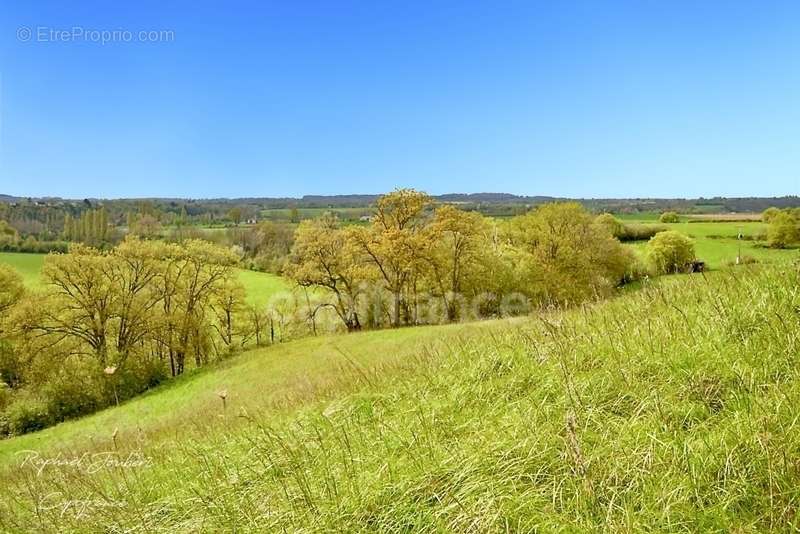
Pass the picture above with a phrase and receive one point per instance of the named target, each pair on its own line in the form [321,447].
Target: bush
[769,214]
[783,230]
[669,217]
[639,232]
[139,375]
[670,252]
[71,397]
[27,414]
[610,223]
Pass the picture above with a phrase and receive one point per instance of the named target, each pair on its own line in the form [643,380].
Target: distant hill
[476,200]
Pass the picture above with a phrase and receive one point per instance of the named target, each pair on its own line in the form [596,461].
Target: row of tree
[413,251]
[90,227]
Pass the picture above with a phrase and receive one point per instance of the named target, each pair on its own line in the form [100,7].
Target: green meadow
[28,265]
[717,243]
[259,286]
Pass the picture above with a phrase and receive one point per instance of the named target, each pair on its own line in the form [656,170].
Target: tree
[769,214]
[11,288]
[783,230]
[146,226]
[393,244]
[325,255]
[191,274]
[82,294]
[669,217]
[8,234]
[563,257]
[235,215]
[670,252]
[457,243]
[228,302]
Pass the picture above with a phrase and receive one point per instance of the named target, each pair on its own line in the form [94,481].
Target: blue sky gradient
[576,99]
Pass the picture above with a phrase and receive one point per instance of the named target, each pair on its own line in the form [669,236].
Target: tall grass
[672,408]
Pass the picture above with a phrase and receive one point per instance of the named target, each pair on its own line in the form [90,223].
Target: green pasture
[717,243]
[28,265]
[259,286]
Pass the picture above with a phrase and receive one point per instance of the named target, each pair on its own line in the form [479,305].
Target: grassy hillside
[672,408]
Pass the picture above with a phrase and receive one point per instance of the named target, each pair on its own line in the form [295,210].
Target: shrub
[769,214]
[669,217]
[639,232]
[71,396]
[783,230]
[670,252]
[27,414]
[610,223]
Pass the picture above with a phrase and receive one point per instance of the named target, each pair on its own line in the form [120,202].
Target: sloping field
[672,408]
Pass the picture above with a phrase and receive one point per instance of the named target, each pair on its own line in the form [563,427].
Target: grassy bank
[669,409]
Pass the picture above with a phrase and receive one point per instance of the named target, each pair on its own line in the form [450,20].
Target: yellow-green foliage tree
[235,215]
[192,274]
[90,228]
[395,245]
[670,252]
[327,256]
[8,234]
[669,217]
[125,314]
[11,289]
[784,229]
[769,214]
[457,246]
[564,257]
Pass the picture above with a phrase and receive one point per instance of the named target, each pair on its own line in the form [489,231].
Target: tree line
[414,255]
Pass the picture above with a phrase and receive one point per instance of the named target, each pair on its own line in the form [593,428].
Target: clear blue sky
[578,99]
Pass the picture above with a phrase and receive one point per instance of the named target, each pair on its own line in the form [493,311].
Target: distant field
[716,243]
[259,286]
[645,216]
[732,217]
[28,265]
[285,214]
